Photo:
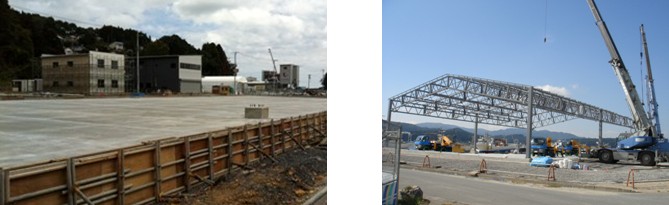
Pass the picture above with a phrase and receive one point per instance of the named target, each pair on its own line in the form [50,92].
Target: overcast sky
[296,30]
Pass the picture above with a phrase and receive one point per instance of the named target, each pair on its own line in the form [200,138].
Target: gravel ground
[517,166]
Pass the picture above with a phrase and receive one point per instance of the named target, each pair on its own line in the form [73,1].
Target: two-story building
[91,73]
[177,73]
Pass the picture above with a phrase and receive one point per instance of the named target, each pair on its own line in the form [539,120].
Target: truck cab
[423,142]
[540,147]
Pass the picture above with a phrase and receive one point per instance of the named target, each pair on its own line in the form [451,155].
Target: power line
[56,17]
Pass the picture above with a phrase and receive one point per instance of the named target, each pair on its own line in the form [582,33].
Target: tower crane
[645,145]
[273,64]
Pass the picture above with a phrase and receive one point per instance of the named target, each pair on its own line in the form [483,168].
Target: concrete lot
[39,130]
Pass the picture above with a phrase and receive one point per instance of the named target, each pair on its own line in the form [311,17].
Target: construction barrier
[630,178]
[145,173]
[551,173]
[426,162]
[483,167]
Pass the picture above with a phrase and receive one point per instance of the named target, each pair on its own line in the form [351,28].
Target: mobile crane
[647,144]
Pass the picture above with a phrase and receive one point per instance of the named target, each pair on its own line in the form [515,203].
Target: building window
[70,64]
[114,83]
[101,63]
[114,64]
[55,64]
[101,83]
[189,66]
[70,84]
[173,65]
[55,84]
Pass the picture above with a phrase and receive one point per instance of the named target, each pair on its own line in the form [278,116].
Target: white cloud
[555,89]
[574,86]
[296,30]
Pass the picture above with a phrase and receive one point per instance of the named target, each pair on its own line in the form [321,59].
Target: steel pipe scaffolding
[498,103]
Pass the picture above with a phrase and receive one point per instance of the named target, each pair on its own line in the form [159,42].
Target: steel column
[528,149]
[475,136]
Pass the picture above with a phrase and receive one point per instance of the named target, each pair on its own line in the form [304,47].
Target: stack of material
[541,162]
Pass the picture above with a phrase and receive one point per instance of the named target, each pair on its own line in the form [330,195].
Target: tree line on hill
[24,37]
[460,135]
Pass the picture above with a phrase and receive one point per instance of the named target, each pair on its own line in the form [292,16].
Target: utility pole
[234,72]
[137,61]
[309,82]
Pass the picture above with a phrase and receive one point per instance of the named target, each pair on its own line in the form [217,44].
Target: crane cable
[546,22]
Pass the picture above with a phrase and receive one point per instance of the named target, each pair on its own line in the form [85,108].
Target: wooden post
[229,164]
[7,186]
[211,157]
[246,146]
[2,187]
[71,198]
[283,137]
[271,139]
[187,163]
[310,123]
[260,141]
[292,135]
[120,177]
[157,171]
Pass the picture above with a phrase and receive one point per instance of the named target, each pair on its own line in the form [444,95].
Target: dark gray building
[177,73]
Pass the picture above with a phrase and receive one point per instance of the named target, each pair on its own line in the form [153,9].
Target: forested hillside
[24,37]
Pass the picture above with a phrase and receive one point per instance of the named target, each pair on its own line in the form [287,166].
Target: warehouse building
[176,73]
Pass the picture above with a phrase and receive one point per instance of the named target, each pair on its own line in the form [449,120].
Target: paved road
[442,188]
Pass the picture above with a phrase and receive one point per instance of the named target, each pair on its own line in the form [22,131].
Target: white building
[289,75]
[210,81]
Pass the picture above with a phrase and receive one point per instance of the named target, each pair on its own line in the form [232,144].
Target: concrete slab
[40,130]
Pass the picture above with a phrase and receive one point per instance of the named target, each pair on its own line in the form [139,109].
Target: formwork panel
[53,198]
[139,195]
[37,182]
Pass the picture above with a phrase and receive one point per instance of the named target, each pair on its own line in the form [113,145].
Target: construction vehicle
[488,144]
[573,147]
[647,144]
[438,143]
[542,147]
[423,142]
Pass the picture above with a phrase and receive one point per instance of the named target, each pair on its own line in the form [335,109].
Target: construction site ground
[296,177]
[514,168]
[40,130]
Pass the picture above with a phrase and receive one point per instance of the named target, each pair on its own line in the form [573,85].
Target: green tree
[324,81]
[214,61]
[178,46]
[155,48]
[16,46]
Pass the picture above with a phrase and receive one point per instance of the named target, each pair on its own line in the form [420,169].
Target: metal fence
[146,173]
[391,143]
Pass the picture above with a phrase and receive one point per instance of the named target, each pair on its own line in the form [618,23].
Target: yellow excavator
[444,143]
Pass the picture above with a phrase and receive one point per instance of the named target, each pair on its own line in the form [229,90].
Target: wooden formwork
[144,173]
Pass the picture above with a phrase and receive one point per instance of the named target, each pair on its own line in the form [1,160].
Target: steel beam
[496,103]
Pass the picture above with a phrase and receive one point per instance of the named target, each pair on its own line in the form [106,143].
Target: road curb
[513,180]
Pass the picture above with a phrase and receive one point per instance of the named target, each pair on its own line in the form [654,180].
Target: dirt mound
[291,180]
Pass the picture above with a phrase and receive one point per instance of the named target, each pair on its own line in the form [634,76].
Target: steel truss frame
[498,103]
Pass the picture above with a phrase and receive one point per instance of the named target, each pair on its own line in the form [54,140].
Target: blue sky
[504,40]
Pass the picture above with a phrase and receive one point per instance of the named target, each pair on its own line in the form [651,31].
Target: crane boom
[641,121]
[651,86]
